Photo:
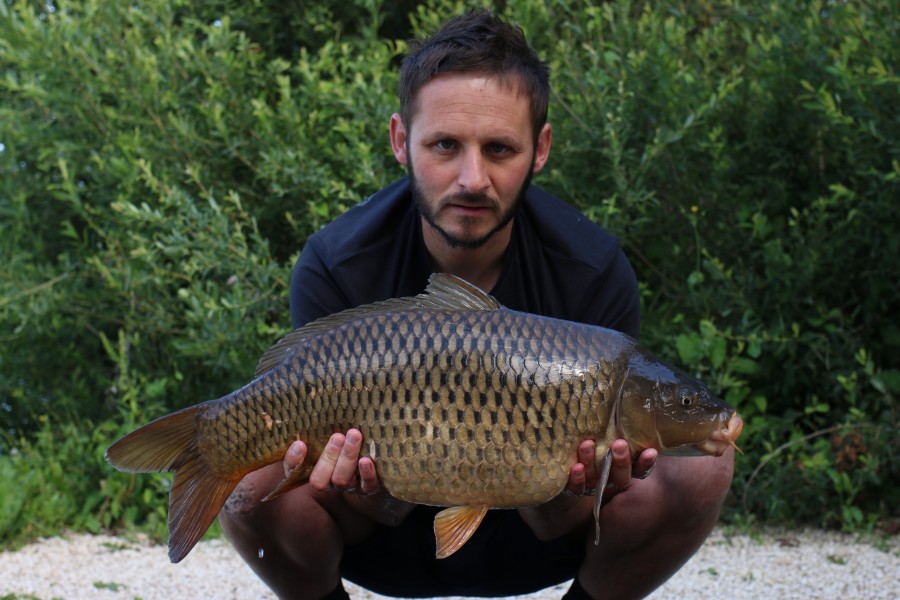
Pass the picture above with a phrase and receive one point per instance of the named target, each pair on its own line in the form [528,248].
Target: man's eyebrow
[506,140]
[438,135]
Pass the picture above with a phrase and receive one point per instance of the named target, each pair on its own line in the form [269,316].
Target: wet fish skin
[455,415]
[461,403]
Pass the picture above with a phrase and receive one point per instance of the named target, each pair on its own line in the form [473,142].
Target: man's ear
[398,139]
[542,151]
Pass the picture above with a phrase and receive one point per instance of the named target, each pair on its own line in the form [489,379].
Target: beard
[463,240]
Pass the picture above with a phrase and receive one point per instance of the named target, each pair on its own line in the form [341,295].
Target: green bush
[162,165]
[56,480]
[747,154]
[159,172]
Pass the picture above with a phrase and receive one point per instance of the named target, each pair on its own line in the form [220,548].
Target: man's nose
[473,176]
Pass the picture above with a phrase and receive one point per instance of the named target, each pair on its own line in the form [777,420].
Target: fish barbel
[461,402]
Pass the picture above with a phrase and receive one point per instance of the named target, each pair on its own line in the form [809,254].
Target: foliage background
[162,163]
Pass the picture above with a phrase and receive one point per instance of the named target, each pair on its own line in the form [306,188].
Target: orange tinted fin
[454,526]
[196,498]
[197,495]
[157,446]
[293,478]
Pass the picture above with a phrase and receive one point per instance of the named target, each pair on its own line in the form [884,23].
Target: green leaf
[690,348]
[745,366]
[760,403]
[717,351]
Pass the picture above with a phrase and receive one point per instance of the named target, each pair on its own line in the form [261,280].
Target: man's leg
[293,542]
[649,531]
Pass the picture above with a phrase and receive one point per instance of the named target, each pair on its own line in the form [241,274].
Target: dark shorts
[503,558]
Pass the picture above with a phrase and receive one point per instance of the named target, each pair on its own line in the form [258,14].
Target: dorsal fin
[444,292]
[449,292]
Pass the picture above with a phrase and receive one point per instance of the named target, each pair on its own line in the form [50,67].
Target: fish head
[661,407]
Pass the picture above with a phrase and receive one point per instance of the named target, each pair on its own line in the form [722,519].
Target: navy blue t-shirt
[558,264]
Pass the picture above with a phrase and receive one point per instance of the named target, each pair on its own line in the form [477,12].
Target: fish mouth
[724,438]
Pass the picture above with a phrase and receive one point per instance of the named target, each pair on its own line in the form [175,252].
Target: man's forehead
[472,88]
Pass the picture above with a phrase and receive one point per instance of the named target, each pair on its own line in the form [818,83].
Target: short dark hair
[477,42]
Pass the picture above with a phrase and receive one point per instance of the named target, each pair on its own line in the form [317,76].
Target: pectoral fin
[604,469]
[454,526]
[292,478]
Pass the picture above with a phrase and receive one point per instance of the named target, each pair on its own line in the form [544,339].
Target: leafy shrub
[159,172]
[163,194]
[162,165]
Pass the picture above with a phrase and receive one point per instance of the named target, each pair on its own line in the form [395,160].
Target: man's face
[470,153]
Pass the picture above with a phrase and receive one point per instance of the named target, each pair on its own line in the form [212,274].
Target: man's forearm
[559,516]
[381,507]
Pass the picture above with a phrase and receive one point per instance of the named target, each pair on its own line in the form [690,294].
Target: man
[472,131]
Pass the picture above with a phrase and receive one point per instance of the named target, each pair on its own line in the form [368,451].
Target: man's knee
[701,487]
[244,512]
[241,502]
[718,477]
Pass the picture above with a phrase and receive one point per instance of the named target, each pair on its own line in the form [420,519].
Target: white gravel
[797,564]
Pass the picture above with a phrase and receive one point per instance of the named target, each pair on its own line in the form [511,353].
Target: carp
[462,403]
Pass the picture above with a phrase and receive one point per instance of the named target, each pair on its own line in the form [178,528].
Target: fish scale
[461,403]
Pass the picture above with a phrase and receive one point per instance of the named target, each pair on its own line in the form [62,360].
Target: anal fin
[454,526]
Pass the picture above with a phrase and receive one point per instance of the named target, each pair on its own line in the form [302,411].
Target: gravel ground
[797,564]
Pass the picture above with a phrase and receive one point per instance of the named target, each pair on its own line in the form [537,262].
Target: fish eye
[687,399]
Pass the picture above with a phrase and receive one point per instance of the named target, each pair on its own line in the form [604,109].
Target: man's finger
[344,475]
[368,477]
[320,478]
[620,473]
[586,451]
[645,463]
[576,485]
[294,456]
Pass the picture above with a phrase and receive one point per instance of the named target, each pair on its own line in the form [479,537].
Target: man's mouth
[468,210]
[471,206]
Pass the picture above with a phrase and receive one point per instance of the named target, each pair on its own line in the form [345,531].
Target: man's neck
[481,266]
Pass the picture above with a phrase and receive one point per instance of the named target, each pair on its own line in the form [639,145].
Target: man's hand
[339,467]
[584,477]
[564,513]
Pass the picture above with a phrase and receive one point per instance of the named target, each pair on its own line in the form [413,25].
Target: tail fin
[197,495]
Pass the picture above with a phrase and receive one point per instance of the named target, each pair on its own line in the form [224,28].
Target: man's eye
[445,145]
[498,148]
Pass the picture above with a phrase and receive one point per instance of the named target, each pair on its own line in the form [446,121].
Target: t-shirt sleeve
[314,293]
[623,305]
